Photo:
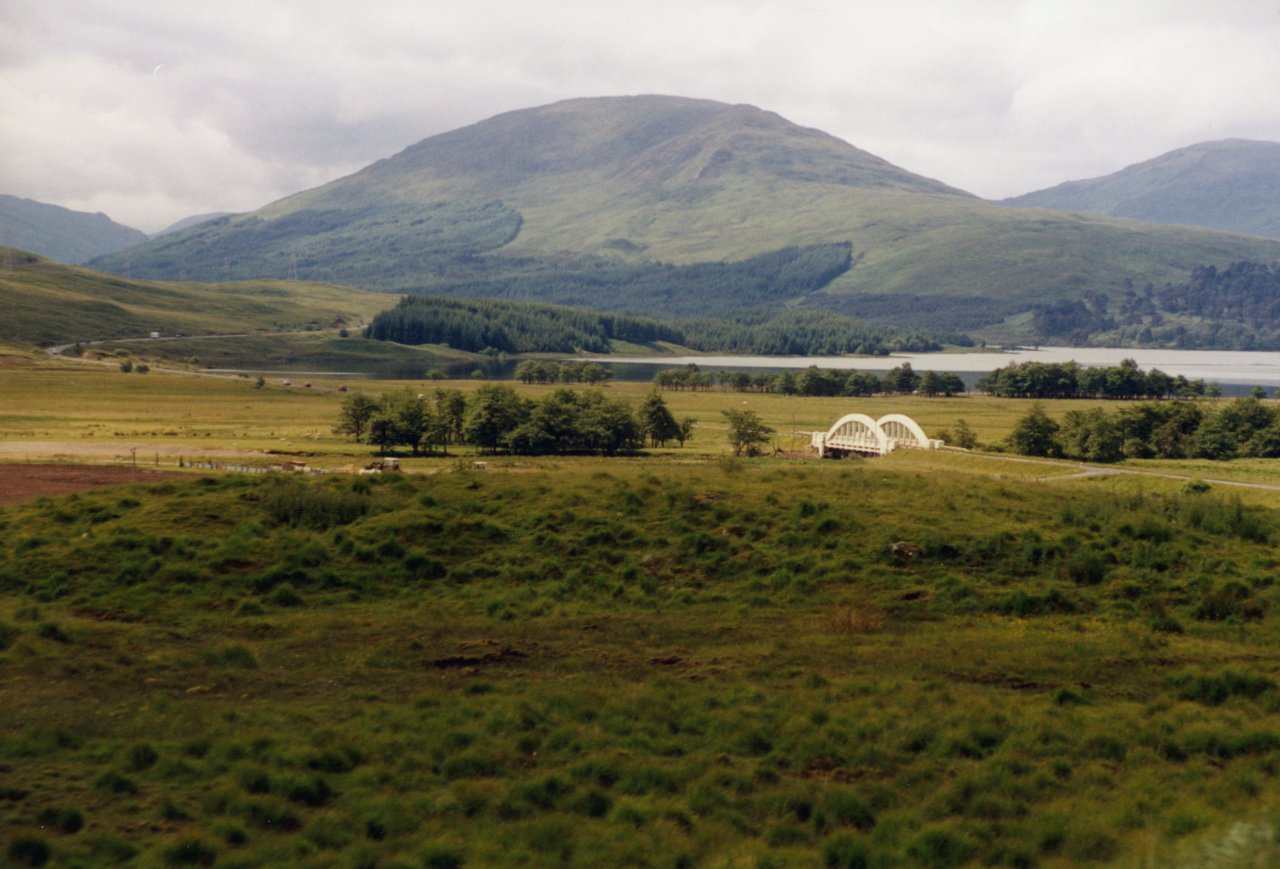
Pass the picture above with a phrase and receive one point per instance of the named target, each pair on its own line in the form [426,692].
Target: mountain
[588,201]
[60,233]
[1232,185]
[188,222]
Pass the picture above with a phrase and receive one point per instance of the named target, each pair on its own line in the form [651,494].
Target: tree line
[495,419]
[814,381]
[502,325]
[1244,428]
[510,327]
[1072,380]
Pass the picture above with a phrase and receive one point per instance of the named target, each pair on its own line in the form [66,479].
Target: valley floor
[674,660]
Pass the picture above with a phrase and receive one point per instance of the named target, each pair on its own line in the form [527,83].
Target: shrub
[847,809]
[111,849]
[843,851]
[29,851]
[317,506]
[190,852]
[232,656]
[1085,567]
[112,782]
[271,814]
[593,804]
[469,765]
[141,757]
[64,820]
[940,847]
[439,857]
[50,631]
[284,596]
[1231,599]
[1216,690]
[313,792]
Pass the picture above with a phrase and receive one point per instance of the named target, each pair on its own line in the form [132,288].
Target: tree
[493,413]
[451,408]
[937,383]
[686,429]
[1035,434]
[356,411]
[1092,436]
[656,421]
[964,435]
[901,379]
[410,416]
[746,431]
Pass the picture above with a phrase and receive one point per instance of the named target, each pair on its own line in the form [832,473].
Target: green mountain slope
[188,222]
[528,202]
[60,233]
[1231,185]
[45,302]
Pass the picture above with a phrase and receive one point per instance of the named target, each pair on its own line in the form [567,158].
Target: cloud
[258,100]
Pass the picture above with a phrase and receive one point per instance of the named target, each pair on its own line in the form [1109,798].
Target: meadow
[674,660]
[98,413]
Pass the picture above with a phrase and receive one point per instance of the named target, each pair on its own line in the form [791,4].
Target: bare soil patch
[22,482]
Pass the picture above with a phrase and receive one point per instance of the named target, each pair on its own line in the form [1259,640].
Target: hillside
[188,222]
[1232,185]
[60,233]
[48,303]
[538,203]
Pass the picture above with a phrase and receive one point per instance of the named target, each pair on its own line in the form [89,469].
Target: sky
[156,110]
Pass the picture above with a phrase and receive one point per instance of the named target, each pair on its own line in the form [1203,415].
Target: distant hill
[1232,185]
[46,302]
[580,202]
[188,222]
[60,233]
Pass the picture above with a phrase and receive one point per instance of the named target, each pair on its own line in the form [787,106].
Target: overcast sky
[154,111]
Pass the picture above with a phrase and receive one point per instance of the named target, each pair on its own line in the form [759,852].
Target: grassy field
[306,351]
[48,303]
[641,662]
[674,660]
[98,406]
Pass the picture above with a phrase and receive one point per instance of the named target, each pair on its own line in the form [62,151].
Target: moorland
[668,658]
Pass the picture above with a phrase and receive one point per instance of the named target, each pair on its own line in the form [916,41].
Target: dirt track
[22,482]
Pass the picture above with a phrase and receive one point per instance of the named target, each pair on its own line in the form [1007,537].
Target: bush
[313,792]
[843,851]
[1085,567]
[847,809]
[50,631]
[142,757]
[190,852]
[29,851]
[112,782]
[1216,690]
[232,656]
[284,596]
[940,847]
[64,820]
[300,504]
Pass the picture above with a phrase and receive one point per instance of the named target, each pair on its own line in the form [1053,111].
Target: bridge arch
[859,433]
[904,430]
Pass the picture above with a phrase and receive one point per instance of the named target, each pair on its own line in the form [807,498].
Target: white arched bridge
[859,433]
